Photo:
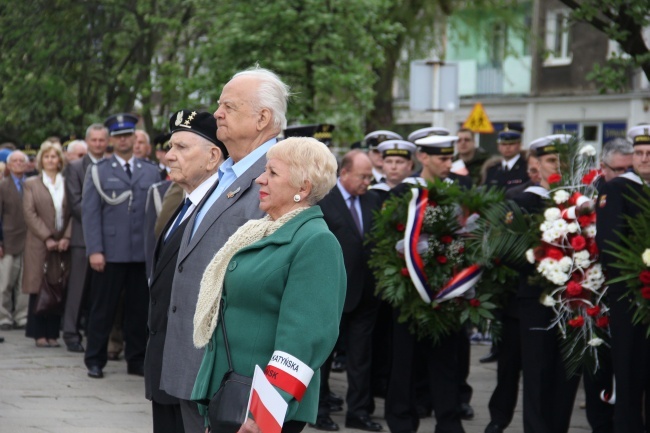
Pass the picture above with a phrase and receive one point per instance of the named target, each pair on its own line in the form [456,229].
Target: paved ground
[47,390]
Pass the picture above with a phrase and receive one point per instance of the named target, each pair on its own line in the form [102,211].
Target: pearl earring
[296,198]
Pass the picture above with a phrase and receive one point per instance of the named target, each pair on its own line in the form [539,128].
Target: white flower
[550,235]
[595,342]
[572,227]
[530,256]
[548,301]
[565,264]
[561,227]
[646,257]
[561,196]
[552,214]
[588,150]
[590,231]
[595,272]
[545,226]
[581,259]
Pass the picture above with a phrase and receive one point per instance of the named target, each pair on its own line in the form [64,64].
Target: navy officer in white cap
[113,204]
[435,153]
[427,132]
[547,390]
[372,140]
[630,346]
[397,158]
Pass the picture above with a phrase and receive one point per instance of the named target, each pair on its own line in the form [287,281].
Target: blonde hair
[308,160]
[46,147]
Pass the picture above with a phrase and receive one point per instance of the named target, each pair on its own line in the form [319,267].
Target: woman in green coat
[282,282]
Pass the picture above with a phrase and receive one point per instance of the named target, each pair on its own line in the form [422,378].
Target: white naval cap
[373,138]
[427,132]
[639,134]
[548,144]
[437,144]
[401,148]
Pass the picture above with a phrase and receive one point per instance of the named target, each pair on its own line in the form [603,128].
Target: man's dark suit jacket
[160,289]
[75,174]
[355,252]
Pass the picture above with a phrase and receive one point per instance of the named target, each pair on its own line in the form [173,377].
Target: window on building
[558,38]
[498,45]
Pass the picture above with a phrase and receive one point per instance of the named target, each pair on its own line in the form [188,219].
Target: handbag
[228,406]
[51,295]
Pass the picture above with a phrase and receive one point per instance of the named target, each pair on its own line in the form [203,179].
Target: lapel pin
[113,165]
[231,194]
[139,166]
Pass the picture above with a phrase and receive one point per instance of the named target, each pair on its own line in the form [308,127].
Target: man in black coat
[348,210]
[512,171]
[194,159]
[547,390]
[446,362]
[630,348]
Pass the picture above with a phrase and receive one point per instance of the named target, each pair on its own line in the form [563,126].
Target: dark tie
[179,218]
[355,214]
[127,168]
[20,187]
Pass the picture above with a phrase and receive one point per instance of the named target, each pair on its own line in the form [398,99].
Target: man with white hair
[75,150]
[13,230]
[142,146]
[250,116]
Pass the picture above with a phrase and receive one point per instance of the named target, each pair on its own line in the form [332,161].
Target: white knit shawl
[207,305]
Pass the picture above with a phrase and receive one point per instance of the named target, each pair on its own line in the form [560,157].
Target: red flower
[474,302]
[400,227]
[446,239]
[589,177]
[573,289]
[585,220]
[461,250]
[554,253]
[578,243]
[405,272]
[554,178]
[602,322]
[645,292]
[593,311]
[644,277]
[577,322]
[441,259]
[432,203]
[593,249]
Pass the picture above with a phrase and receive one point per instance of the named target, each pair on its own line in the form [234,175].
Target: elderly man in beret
[194,157]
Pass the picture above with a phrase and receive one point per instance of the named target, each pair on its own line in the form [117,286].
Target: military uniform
[629,344]
[113,205]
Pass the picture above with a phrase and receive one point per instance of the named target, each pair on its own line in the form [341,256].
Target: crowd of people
[230,228]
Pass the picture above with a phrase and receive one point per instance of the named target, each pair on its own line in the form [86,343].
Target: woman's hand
[64,244]
[249,427]
[51,244]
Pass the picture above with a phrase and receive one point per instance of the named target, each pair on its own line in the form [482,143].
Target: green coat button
[232,265]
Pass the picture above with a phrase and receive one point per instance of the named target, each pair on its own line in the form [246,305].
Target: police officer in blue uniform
[113,205]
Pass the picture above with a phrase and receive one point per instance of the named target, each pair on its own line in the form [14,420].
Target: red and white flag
[266,404]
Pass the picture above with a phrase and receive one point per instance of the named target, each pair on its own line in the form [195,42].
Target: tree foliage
[622,21]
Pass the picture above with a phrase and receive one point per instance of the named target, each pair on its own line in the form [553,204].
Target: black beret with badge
[199,122]
[120,124]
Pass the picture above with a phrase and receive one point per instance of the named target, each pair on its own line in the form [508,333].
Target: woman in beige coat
[48,229]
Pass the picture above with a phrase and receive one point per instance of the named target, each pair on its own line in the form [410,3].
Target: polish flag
[266,404]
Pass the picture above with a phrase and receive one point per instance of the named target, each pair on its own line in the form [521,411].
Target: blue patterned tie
[179,218]
[355,214]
